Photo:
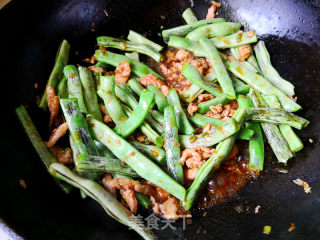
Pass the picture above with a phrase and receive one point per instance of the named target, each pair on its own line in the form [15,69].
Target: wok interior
[29,42]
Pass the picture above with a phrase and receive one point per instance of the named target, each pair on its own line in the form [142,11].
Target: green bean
[63,88]
[143,200]
[102,65]
[194,76]
[188,16]
[75,151]
[217,64]
[56,75]
[202,120]
[213,30]
[204,107]
[157,116]
[138,115]
[124,93]
[89,93]
[147,130]
[154,152]
[124,45]
[103,150]
[269,72]
[276,116]
[136,160]
[110,204]
[138,38]
[102,164]
[253,61]
[106,90]
[183,30]
[133,55]
[182,121]
[189,94]
[277,142]
[207,169]
[234,40]
[114,59]
[287,132]
[78,127]
[160,99]
[235,52]
[256,144]
[212,137]
[75,86]
[239,86]
[45,155]
[262,85]
[172,145]
[135,86]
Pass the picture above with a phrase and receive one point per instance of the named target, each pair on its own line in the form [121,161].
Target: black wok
[30,32]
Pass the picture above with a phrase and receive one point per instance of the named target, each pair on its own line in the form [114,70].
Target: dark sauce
[231,176]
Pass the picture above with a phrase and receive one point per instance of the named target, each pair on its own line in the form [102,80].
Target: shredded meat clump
[169,209]
[245,52]
[130,199]
[212,10]
[208,127]
[53,104]
[205,97]
[192,108]
[64,155]
[150,79]
[106,117]
[122,72]
[171,68]
[223,112]
[196,156]
[57,133]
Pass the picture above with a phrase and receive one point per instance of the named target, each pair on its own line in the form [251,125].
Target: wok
[30,32]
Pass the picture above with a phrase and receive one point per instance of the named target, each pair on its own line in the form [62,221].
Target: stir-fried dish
[188,129]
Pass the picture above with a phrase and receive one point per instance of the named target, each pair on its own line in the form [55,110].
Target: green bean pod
[219,68]
[213,30]
[287,132]
[138,115]
[212,137]
[269,72]
[160,99]
[154,152]
[136,160]
[45,155]
[276,116]
[182,121]
[63,88]
[106,90]
[56,75]
[110,204]
[139,39]
[204,107]
[277,142]
[89,93]
[194,76]
[102,164]
[183,30]
[262,85]
[114,59]
[75,86]
[135,86]
[110,42]
[78,127]
[256,144]
[172,145]
[188,16]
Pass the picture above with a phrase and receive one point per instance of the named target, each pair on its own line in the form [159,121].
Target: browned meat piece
[192,108]
[195,157]
[64,155]
[122,72]
[57,133]
[205,97]
[130,199]
[106,183]
[245,52]
[53,104]
[190,173]
[150,79]
[212,10]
